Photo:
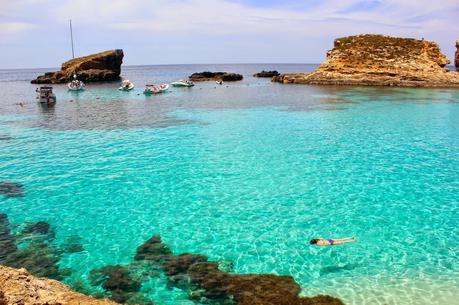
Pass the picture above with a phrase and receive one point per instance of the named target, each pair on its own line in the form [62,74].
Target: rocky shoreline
[17,286]
[377,60]
[104,66]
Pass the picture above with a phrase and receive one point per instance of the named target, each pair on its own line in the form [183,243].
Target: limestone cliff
[104,66]
[382,61]
[17,286]
[456,57]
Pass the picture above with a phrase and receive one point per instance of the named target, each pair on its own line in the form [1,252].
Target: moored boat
[45,95]
[75,84]
[183,83]
[126,85]
[155,89]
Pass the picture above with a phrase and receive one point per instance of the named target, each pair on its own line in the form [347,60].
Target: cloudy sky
[35,33]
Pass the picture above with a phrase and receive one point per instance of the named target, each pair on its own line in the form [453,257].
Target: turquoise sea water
[248,174]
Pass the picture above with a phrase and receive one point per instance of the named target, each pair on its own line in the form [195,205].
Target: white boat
[126,85]
[155,89]
[75,84]
[45,95]
[183,83]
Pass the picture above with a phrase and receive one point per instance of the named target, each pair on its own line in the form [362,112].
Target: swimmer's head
[313,241]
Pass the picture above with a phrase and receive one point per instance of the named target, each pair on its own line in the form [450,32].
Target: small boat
[45,95]
[75,84]
[183,83]
[219,82]
[155,89]
[126,85]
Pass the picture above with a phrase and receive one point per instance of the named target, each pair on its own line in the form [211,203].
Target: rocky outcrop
[104,66]
[17,286]
[377,60]
[266,74]
[216,76]
[456,56]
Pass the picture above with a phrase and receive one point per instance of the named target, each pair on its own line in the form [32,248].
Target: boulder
[456,56]
[266,74]
[215,76]
[377,60]
[104,66]
[17,286]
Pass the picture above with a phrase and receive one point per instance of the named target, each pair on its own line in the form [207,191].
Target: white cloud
[10,29]
[222,17]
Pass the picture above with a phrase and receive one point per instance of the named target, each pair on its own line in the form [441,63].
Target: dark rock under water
[11,189]
[216,285]
[37,255]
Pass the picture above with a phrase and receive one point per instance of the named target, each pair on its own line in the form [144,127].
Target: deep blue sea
[246,173]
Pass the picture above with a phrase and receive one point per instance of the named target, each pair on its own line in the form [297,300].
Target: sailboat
[75,84]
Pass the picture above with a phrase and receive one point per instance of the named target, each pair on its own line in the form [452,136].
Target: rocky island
[104,66]
[216,76]
[266,74]
[377,60]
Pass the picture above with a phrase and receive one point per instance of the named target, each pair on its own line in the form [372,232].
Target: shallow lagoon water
[246,174]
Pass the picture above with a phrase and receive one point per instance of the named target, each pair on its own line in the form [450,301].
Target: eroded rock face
[104,66]
[216,76]
[456,57]
[380,61]
[17,286]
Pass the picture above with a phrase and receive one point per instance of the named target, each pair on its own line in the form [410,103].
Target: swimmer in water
[331,242]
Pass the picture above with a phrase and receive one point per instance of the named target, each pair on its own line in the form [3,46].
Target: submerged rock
[153,250]
[456,56]
[39,259]
[7,240]
[19,287]
[40,227]
[204,279]
[120,284]
[11,189]
[266,73]
[216,76]
[104,66]
[115,278]
[377,60]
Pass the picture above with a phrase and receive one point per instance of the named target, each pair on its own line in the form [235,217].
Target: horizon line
[144,65]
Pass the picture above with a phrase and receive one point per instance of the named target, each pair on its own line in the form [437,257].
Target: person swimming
[331,242]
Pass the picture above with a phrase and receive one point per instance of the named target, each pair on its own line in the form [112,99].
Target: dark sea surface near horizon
[245,173]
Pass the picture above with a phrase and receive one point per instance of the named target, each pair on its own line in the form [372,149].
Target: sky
[35,33]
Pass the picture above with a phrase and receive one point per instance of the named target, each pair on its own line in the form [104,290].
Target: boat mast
[71,38]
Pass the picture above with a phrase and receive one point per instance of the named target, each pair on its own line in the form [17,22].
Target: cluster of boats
[46,96]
